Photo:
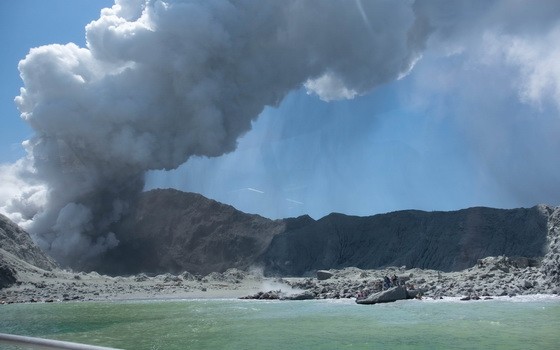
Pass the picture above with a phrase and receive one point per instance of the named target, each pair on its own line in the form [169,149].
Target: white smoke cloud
[162,81]
[539,68]
[475,122]
[494,73]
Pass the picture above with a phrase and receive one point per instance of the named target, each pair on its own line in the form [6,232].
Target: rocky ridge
[18,243]
[550,264]
[174,231]
[18,253]
[446,241]
[22,281]
[490,277]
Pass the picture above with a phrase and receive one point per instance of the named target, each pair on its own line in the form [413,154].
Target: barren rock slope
[447,241]
[173,231]
[16,241]
[18,253]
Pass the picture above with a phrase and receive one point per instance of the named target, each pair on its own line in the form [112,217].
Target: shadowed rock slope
[174,231]
[447,241]
[19,244]
[18,253]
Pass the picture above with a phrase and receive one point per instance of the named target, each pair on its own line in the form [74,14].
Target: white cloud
[329,88]
[539,66]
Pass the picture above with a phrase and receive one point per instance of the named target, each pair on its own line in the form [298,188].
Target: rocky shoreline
[23,282]
[491,277]
[28,275]
[64,286]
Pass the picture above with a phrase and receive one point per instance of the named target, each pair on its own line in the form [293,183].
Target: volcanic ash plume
[161,81]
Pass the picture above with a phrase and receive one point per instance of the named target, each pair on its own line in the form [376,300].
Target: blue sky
[359,157]
[468,126]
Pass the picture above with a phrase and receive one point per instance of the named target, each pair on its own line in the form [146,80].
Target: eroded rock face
[446,241]
[550,265]
[16,241]
[18,253]
[174,231]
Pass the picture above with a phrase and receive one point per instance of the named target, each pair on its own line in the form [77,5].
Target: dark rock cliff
[447,241]
[174,231]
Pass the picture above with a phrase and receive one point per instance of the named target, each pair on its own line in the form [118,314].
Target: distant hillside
[18,253]
[447,241]
[173,231]
[18,243]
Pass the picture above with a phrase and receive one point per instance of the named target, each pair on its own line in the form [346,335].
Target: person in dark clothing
[386,282]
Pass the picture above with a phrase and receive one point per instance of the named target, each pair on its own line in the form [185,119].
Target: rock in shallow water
[386,296]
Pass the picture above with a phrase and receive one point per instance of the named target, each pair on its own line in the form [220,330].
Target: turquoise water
[247,324]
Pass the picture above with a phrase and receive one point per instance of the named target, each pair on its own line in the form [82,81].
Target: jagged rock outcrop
[174,231]
[19,254]
[17,242]
[550,265]
[447,241]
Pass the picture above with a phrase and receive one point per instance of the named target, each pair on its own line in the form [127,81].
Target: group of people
[391,282]
[387,283]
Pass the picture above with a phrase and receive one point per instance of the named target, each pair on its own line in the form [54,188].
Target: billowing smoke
[161,81]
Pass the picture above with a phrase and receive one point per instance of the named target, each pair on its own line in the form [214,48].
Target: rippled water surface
[530,323]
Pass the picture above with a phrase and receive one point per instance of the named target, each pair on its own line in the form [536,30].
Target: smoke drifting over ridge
[161,81]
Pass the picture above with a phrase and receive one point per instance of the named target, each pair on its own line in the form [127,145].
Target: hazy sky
[475,122]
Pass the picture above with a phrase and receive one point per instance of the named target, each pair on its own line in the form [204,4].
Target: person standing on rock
[386,282]
[394,280]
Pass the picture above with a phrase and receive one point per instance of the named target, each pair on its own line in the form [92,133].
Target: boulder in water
[307,295]
[386,296]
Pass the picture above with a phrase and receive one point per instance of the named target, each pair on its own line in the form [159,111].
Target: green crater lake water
[529,323]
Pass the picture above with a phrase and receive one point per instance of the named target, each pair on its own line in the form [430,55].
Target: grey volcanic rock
[447,241]
[550,265]
[386,296]
[300,296]
[324,275]
[174,231]
[17,242]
